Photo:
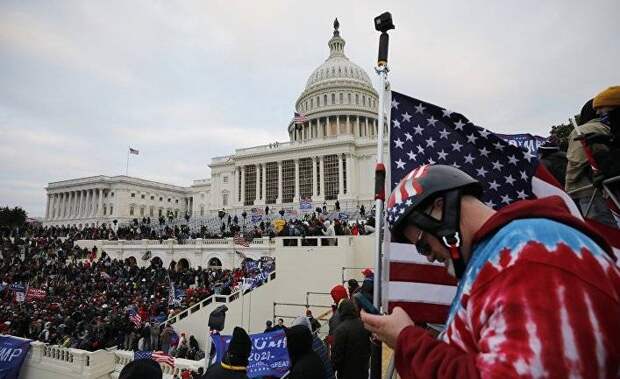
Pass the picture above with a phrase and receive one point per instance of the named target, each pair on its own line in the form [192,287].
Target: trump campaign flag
[268,357]
[422,133]
[13,351]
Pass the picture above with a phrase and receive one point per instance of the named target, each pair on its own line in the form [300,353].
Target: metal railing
[342,271]
[220,299]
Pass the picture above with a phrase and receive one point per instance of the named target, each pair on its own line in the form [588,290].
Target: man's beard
[449,265]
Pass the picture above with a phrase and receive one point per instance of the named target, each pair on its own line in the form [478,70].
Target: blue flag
[269,356]
[13,351]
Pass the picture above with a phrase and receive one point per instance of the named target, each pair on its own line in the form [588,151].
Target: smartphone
[365,304]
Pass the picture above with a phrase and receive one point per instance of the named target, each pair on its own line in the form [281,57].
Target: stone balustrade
[57,362]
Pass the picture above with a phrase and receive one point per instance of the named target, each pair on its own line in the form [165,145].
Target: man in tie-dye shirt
[538,293]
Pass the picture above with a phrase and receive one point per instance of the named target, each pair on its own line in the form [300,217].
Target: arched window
[324,100]
[318,102]
[333,98]
[364,100]
[202,211]
[357,99]
[341,97]
[311,103]
[349,98]
[224,199]
[131,210]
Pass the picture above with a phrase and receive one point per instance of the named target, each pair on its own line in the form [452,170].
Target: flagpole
[127,165]
[383,23]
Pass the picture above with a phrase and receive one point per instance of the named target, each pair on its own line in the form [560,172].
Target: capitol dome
[338,98]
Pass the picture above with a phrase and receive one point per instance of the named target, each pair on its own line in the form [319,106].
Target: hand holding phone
[365,304]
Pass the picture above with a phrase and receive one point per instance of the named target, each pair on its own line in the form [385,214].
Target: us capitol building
[329,157]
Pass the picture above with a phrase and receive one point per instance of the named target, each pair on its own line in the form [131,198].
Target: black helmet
[418,189]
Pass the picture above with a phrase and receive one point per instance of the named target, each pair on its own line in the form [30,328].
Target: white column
[91,203]
[70,204]
[56,213]
[366,127]
[80,197]
[235,190]
[322,180]
[314,184]
[349,126]
[242,185]
[264,198]
[340,177]
[100,205]
[296,198]
[87,205]
[337,125]
[59,206]
[349,174]
[358,133]
[78,203]
[47,208]
[258,175]
[279,200]
[53,208]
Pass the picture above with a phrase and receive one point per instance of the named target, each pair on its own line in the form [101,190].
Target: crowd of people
[272,224]
[111,302]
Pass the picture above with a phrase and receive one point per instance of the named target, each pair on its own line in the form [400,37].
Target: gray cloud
[184,81]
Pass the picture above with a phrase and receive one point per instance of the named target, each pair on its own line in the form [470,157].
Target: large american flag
[422,133]
[157,356]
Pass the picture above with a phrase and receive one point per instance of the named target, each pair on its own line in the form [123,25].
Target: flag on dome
[299,118]
[133,151]
[157,356]
[422,133]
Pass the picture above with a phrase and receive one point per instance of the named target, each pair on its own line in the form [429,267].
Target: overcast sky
[185,81]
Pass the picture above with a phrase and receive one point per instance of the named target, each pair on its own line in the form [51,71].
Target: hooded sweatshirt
[540,298]
[305,363]
[317,346]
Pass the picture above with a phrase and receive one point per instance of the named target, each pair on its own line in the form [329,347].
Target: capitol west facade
[331,156]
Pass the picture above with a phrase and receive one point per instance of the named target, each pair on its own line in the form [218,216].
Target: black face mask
[614,119]
[423,248]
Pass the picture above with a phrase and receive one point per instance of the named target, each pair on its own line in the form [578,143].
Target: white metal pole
[384,86]
[127,165]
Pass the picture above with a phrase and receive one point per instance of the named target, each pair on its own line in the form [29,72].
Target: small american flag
[135,318]
[299,118]
[422,133]
[157,356]
[133,151]
[238,239]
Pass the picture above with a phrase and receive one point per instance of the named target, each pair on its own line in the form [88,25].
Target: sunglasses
[422,246]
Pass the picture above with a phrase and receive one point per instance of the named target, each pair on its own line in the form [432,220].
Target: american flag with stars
[135,318]
[157,356]
[422,133]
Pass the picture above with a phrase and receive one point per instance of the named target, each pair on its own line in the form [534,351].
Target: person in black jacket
[351,349]
[553,159]
[305,363]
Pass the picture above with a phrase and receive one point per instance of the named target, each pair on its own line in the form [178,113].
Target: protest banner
[525,140]
[13,351]
[269,356]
